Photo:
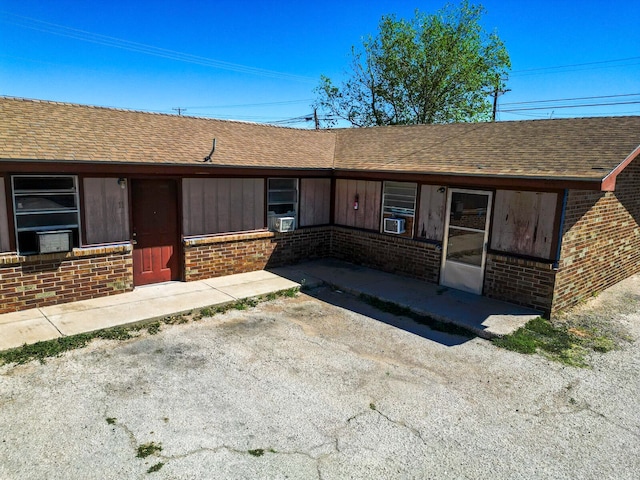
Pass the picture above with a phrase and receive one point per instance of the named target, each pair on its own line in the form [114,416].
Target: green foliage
[437,68]
[561,343]
[258,452]
[156,467]
[148,449]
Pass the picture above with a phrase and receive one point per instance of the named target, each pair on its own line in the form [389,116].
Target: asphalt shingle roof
[580,148]
[36,130]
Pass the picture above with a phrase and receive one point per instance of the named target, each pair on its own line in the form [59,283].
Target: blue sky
[260,60]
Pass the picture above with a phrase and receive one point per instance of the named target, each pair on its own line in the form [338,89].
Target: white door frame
[464,276]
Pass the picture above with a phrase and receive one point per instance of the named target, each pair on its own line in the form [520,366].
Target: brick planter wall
[524,282]
[389,253]
[41,280]
[601,240]
[215,256]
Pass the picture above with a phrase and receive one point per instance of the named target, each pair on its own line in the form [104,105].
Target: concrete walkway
[144,304]
[483,316]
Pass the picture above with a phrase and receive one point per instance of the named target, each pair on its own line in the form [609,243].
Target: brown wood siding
[5,244]
[315,201]
[431,213]
[221,205]
[369,194]
[106,211]
[523,223]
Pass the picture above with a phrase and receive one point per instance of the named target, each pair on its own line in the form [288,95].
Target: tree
[438,68]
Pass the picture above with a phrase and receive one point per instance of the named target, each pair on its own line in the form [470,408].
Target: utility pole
[496,93]
[315,118]
[179,110]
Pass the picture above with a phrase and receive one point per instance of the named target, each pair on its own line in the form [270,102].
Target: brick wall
[215,256]
[523,282]
[601,240]
[41,280]
[387,252]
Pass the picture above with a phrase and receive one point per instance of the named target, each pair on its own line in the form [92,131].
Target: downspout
[556,263]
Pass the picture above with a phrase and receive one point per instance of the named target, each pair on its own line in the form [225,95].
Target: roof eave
[609,182]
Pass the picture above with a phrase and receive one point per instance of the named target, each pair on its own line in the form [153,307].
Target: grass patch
[53,348]
[148,449]
[563,343]
[156,467]
[402,311]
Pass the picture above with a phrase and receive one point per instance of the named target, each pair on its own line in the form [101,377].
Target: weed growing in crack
[111,420]
[258,452]
[153,328]
[148,449]
[156,467]
[402,311]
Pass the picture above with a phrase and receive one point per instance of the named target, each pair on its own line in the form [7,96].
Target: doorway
[155,234]
[465,242]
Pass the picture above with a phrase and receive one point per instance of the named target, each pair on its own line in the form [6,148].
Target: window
[399,201]
[282,199]
[44,204]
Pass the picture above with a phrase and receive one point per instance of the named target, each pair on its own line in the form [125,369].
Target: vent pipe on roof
[213,149]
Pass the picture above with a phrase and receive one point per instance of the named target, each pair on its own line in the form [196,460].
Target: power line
[572,99]
[549,107]
[85,36]
[576,65]
[242,105]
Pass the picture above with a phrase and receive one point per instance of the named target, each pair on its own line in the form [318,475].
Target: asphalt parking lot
[324,387]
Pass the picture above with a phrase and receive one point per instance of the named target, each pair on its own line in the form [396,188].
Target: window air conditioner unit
[56,241]
[394,225]
[285,224]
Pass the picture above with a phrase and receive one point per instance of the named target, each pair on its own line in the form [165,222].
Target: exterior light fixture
[122,182]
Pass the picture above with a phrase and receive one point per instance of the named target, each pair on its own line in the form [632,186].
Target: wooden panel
[106,211]
[431,213]
[315,201]
[220,205]
[4,220]
[372,205]
[368,213]
[523,222]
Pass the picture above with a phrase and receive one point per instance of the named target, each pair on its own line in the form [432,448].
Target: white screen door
[465,243]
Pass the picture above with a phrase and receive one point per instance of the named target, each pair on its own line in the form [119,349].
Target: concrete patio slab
[483,316]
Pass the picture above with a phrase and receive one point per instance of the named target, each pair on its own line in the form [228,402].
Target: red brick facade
[389,253]
[215,256]
[38,281]
[601,240]
[524,282]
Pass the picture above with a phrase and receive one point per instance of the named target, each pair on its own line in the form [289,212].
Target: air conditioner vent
[55,241]
[285,224]
[394,225]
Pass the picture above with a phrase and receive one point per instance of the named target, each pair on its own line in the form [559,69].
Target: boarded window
[106,210]
[44,203]
[368,193]
[4,221]
[523,223]
[315,201]
[221,205]
[399,201]
[431,212]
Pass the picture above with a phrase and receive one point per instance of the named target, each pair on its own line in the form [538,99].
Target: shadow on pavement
[447,335]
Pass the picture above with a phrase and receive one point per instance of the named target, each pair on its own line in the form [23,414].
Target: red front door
[155,231]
